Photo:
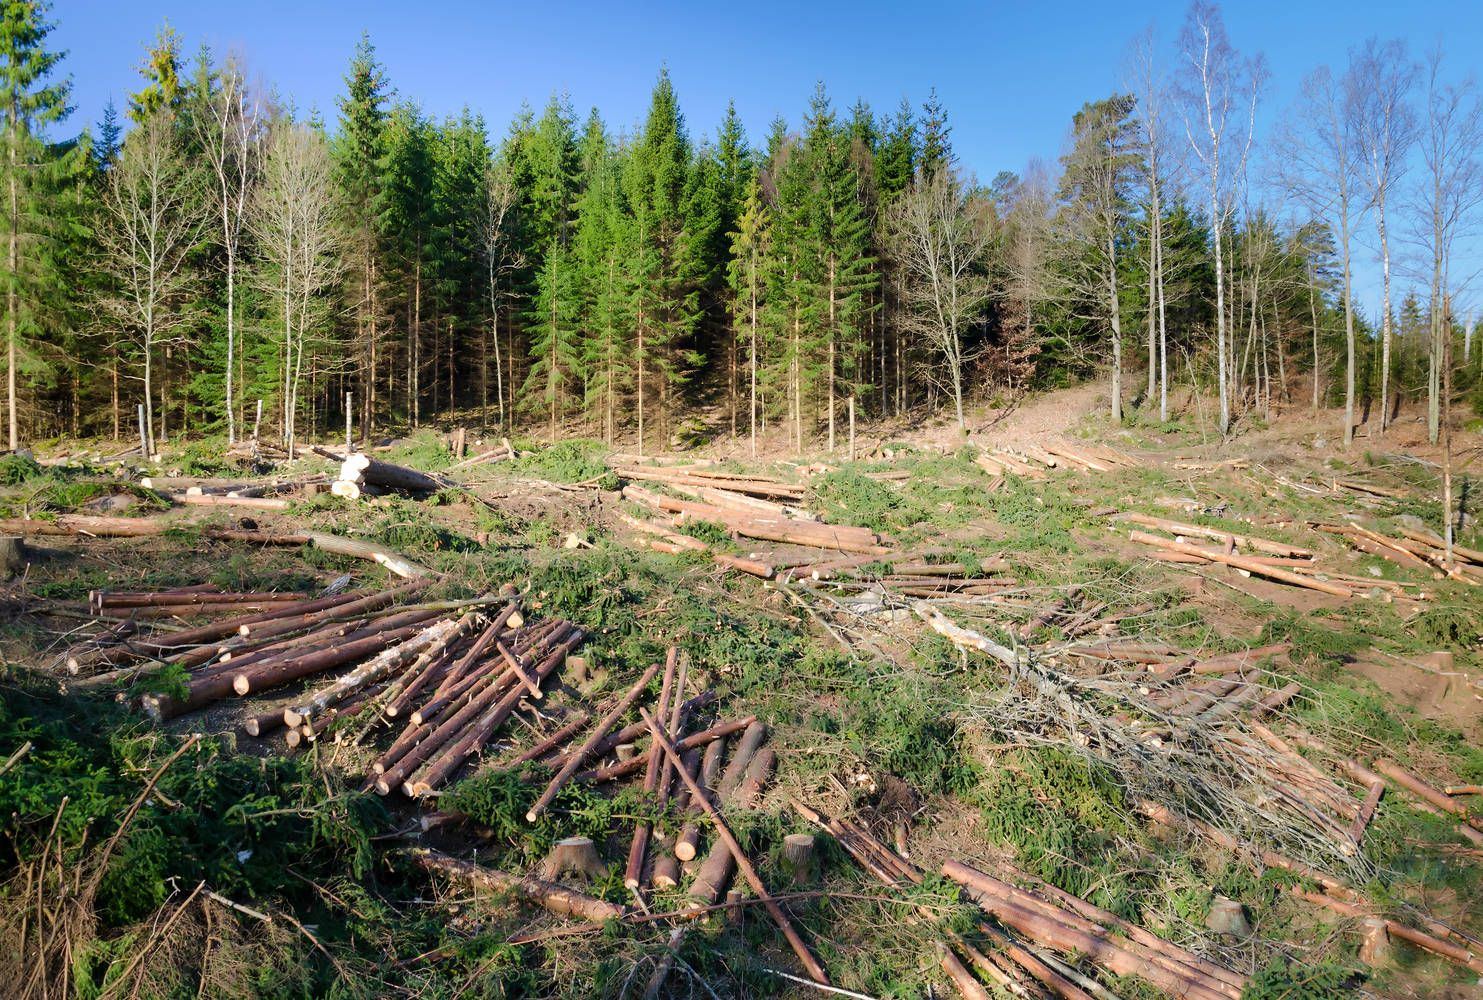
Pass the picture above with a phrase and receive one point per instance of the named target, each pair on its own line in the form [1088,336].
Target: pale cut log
[1218,534]
[573,855]
[601,730]
[1239,562]
[428,642]
[723,832]
[226,500]
[556,898]
[342,546]
[362,468]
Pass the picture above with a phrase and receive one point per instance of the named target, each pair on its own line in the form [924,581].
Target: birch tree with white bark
[293,221]
[154,214]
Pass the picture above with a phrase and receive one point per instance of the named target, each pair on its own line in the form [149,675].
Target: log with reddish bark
[472,740]
[963,981]
[1429,793]
[418,743]
[104,600]
[1421,939]
[599,731]
[1048,925]
[557,898]
[627,767]
[723,832]
[741,759]
[628,734]
[633,873]
[687,842]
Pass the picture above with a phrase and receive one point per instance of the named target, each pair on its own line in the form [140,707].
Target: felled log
[1423,790]
[963,981]
[1218,534]
[1240,562]
[103,600]
[456,749]
[556,898]
[627,767]
[599,731]
[227,500]
[723,832]
[428,642]
[741,759]
[687,842]
[361,468]
[1421,939]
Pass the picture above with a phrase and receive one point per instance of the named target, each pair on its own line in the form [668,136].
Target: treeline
[225,248]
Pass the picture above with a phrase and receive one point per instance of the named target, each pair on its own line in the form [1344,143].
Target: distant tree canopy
[562,278]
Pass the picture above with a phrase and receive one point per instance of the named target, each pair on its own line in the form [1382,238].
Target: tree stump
[12,556]
[575,855]
[1227,916]
[626,751]
[798,857]
[1375,950]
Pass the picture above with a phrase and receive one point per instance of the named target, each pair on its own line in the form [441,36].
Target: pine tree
[32,102]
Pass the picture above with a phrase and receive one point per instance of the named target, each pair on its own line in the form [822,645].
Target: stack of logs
[1422,551]
[361,475]
[687,775]
[1031,461]
[1026,922]
[768,522]
[1249,555]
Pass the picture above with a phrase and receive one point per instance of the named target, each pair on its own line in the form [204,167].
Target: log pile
[1422,551]
[1034,460]
[697,477]
[770,525]
[1027,915]
[1249,555]
[361,475]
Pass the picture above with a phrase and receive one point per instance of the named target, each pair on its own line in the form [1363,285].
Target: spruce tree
[404,205]
[599,247]
[357,152]
[746,276]
[32,102]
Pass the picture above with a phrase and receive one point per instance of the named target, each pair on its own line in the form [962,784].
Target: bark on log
[1282,549]
[963,981]
[473,740]
[556,898]
[688,841]
[1405,932]
[601,730]
[1238,562]
[429,642]
[1422,790]
[741,759]
[633,873]
[362,468]
[614,771]
[811,964]
[759,772]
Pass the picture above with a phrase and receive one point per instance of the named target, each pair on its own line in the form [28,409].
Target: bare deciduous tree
[293,219]
[495,239]
[1216,88]
[230,135]
[155,212]
[1377,88]
[1319,163]
[941,239]
[1452,151]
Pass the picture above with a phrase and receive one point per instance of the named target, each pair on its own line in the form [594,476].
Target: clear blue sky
[1010,74]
